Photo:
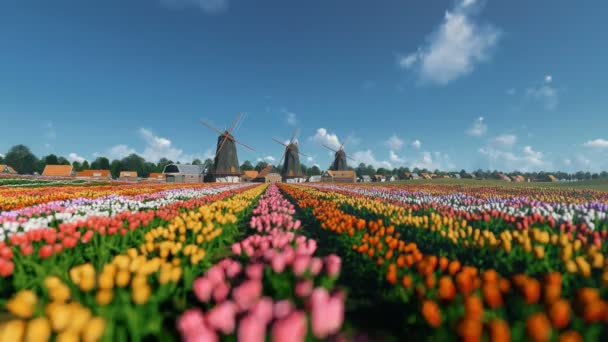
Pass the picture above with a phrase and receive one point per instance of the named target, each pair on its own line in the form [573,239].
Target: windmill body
[291,171]
[339,163]
[225,167]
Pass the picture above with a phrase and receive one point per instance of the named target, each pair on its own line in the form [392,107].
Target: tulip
[290,329]
[222,317]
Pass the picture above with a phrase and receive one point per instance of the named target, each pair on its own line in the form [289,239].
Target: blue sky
[438,84]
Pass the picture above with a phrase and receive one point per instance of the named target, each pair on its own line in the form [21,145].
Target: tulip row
[272,282]
[130,291]
[541,250]
[473,300]
[17,198]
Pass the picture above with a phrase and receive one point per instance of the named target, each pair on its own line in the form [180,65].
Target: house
[425,175]
[5,169]
[467,176]
[249,176]
[272,178]
[314,179]
[378,178]
[94,174]
[552,178]
[261,177]
[456,175]
[503,177]
[391,178]
[184,173]
[435,176]
[518,179]
[128,176]
[411,176]
[364,179]
[58,171]
[157,177]
[339,176]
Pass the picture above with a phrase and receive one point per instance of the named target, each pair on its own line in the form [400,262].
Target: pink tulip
[251,329]
[333,264]
[315,265]
[247,293]
[236,249]
[300,265]
[222,317]
[304,288]
[190,321]
[290,329]
[278,263]
[202,288]
[216,275]
[221,291]
[263,310]
[255,271]
[282,308]
[233,269]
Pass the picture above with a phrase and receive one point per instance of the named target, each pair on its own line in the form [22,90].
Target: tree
[260,165]
[1,159]
[101,163]
[304,169]
[51,159]
[85,165]
[63,161]
[197,162]
[77,166]
[314,170]
[20,158]
[115,168]
[247,166]
[133,162]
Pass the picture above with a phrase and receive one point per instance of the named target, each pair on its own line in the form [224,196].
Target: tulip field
[302,262]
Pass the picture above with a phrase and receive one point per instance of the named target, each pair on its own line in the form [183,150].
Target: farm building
[341,176]
[94,174]
[410,176]
[518,179]
[364,179]
[249,176]
[128,176]
[434,176]
[391,178]
[58,171]
[184,173]
[378,178]
[314,179]
[467,176]
[5,169]
[425,175]
[157,177]
[503,177]
[271,178]
[261,177]
[552,178]
[456,175]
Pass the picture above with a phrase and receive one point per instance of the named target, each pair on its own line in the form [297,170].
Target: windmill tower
[226,162]
[339,163]
[291,171]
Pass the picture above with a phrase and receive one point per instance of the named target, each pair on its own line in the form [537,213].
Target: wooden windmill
[340,157]
[226,162]
[291,170]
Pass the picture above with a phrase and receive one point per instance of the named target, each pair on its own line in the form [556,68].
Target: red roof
[58,171]
[94,174]
[157,175]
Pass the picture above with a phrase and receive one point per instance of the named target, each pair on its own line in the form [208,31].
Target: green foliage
[20,158]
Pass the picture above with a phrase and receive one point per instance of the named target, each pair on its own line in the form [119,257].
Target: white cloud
[597,143]
[291,118]
[395,159]
[567,162]
[416,144]
[505,140]
[544,93]
[456,47]
[156,147]
[269,159]
[324,137]
[207,6]
[528,160]
[478,129]
[394,142]
[1,155]
[432,161]
[367,157]
[72,157]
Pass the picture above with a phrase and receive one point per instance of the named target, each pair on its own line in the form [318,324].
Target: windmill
[226,162]
[340,157]
[291,171]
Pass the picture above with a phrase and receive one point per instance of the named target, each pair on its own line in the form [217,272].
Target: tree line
[21,158]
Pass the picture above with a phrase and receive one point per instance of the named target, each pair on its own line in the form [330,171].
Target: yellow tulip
[38,329]
[93,330]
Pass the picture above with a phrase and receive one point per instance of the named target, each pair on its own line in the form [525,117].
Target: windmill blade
[293,136]
[211,127]
[243,144]
[219,149]
[329,148]
[300,153]
[236,120]
[351,158]
[282,157]
[278,141]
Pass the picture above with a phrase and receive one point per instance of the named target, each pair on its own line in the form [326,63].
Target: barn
[94,174]
[5,169]
[249,176]
[184,173]
[341,176]
[128,176]
[58,171]
[157,177]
